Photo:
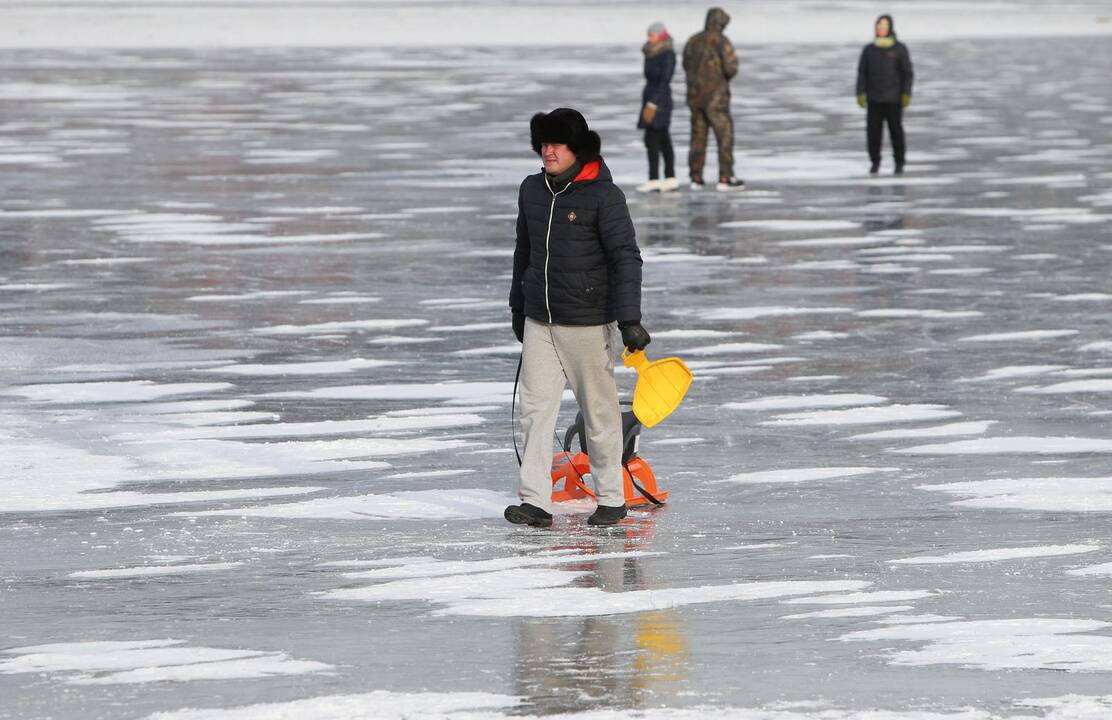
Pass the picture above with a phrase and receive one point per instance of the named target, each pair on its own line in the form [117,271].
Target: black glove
[519,326]
[634,336]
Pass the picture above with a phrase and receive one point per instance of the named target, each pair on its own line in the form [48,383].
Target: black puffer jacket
[883,74]
[576,260]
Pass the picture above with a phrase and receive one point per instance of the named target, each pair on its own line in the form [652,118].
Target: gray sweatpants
[582,356]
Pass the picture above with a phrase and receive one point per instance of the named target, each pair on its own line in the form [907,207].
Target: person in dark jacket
[656,109]
[710,63]
[884,76]
[577,271]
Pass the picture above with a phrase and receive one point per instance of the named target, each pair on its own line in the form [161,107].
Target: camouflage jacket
[710,63]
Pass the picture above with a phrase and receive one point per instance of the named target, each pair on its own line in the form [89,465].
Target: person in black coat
[576,272]
[884,76]
[656,109]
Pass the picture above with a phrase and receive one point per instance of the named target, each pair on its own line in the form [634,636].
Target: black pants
[659,142]
[879,113]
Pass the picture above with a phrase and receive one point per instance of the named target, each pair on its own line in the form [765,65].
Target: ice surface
[283,219]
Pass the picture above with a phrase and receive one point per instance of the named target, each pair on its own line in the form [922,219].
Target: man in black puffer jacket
[884,77]
[577,271]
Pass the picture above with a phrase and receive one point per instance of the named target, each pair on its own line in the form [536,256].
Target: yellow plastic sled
[661,386]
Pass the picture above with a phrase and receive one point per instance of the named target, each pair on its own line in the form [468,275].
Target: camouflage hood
[717,20]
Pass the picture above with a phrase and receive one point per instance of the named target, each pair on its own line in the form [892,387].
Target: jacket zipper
[547,235]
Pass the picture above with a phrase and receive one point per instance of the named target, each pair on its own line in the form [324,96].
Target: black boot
[874,168]
[606,515]
[526,514]
[899,168]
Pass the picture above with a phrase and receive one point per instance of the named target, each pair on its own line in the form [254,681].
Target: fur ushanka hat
[567,127]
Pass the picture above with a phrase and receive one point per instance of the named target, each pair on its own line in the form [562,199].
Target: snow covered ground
[256,369]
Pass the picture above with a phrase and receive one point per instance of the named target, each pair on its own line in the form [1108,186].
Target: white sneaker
[730,183]
[669,185]
[650,186]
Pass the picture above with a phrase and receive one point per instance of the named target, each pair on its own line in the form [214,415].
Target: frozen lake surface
[256,369]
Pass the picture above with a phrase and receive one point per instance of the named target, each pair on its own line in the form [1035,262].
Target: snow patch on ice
[310,429]
[996,555]
[1017,445]
[801,475]
[864,611]
[1013,644]
[866,415]
[948,430]
[902,313]
[325,367]
[341,326]
[878,596]
[731,348]
[377,705]
[791,402]
[792,225]
[142,661]
[1072,386]
[454,504]
[465,392]
[752,313]
[1102,570]
[432,568]
[1050,494]
[1020,336]
[583,602]
[153,571]
[110,392]
[1017,371]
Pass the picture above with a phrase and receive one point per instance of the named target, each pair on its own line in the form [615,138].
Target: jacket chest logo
[572,216]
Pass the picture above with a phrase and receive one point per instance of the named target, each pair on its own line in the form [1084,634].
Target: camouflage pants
[719,119]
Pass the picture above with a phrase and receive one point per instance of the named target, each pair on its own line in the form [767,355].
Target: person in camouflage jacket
[710,64]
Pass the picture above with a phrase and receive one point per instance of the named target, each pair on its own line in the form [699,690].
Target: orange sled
[569,469]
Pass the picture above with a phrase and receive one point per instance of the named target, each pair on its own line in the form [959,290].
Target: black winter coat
[576,261]
[660,64]
[883,74]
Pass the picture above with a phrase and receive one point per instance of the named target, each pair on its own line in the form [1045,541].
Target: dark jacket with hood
[660,64]
[710,63]
[884,74]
